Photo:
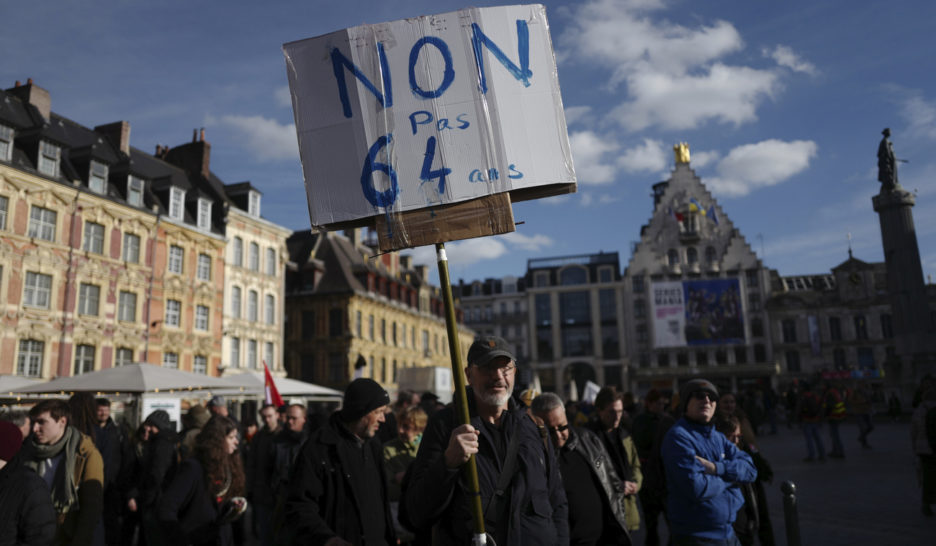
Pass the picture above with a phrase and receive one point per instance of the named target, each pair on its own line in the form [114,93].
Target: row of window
[253,305]
[395,335]
[251,346]
[253,256]
[574,274]
[477,313]
[788,328]
[32,352]
[705,358]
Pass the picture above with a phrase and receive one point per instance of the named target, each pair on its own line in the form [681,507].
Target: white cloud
[577,114]
[702,159]
[589,199]
[727,94]
[762,164]
[589,154]
[530,243]
[785,56]
[266,139]
[647,157]
[282,96]
[675,75]
[471,251]
[920,116]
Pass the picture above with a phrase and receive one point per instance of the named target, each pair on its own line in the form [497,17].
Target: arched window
[573,275]
[692,255]
[672,257]
[710,255]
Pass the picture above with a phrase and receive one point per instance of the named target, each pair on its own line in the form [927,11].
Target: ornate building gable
[688,232]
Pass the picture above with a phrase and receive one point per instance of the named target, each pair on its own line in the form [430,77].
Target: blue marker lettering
[340,62]
[463,122]
[427,118]
[493,174]
[447,76]
[513,173]
[521,73]
[427,173]
[443,124]
[476,176]
[388,196]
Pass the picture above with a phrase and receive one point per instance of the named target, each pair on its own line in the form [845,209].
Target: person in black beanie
[338,491]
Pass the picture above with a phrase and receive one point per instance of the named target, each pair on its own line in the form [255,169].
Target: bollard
[790,516]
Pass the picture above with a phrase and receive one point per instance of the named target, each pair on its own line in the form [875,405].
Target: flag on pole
[270,394]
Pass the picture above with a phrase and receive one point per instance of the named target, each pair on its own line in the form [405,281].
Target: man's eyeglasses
[560,428]
[506,370]
[704,395]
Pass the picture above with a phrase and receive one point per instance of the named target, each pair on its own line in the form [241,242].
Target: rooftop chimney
[118,133]
[406,262]
[423,271]
[35,95]
[194,157]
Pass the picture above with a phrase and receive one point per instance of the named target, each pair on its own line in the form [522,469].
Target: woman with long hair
[204,497]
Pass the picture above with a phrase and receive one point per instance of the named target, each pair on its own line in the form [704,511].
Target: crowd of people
[547,471]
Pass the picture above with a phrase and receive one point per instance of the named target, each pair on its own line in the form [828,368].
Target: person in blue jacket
[702,470]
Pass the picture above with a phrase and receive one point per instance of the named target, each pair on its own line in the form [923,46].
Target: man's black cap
[487,348]
[696,385]
[362,396]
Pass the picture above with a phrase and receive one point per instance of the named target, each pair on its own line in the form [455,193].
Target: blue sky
[782,104]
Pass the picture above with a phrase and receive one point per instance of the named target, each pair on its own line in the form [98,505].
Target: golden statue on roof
[681,151]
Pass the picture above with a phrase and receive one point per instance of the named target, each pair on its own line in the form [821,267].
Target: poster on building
[669,314]
[812,322]
[697,312]
[429,111]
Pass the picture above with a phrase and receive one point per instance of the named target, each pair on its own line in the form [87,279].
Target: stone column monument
[914,330]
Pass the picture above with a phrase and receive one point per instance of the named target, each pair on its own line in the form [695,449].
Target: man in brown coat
[72,468]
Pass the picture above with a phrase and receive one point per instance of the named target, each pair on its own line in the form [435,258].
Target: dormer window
[176,201]
[135,191]
[6,143]
[49,156]
[97,177]
[204,213]
[253,204]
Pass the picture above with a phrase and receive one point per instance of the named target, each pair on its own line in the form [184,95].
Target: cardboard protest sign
[428,112]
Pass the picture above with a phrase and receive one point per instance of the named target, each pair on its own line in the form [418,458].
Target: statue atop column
[887,163]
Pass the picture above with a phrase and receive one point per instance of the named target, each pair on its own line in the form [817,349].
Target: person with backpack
[809,412]
[923,436]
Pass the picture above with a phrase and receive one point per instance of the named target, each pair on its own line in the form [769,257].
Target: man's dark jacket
[108,439]
[590,446]
[159,463]
[321,501]
[535,511]
[26,512]
[260,468]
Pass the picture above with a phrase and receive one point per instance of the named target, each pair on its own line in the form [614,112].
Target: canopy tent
[10,383]
[130,378]
[251,383]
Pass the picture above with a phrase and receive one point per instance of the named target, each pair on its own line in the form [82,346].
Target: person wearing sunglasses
[596,495]
[702,470]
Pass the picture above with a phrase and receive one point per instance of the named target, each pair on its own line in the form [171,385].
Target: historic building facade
[255,290]
[352,313]
[108,255]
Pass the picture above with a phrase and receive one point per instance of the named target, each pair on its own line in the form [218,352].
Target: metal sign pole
[470,469]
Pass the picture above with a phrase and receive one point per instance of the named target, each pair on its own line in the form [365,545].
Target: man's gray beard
[493,399]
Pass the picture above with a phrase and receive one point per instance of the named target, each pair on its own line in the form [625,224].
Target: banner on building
[812,322]
[429,111]
[697,312]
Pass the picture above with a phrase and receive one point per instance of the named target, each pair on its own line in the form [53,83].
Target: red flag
[270,394]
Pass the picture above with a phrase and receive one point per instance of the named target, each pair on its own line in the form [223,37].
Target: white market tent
[130,379]
[251,383]
[9,384]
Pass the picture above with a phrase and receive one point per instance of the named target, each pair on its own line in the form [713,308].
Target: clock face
[854,278]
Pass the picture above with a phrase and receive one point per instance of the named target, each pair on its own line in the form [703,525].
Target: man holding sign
[512,460]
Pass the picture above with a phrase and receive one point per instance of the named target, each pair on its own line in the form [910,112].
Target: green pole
[470,469]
